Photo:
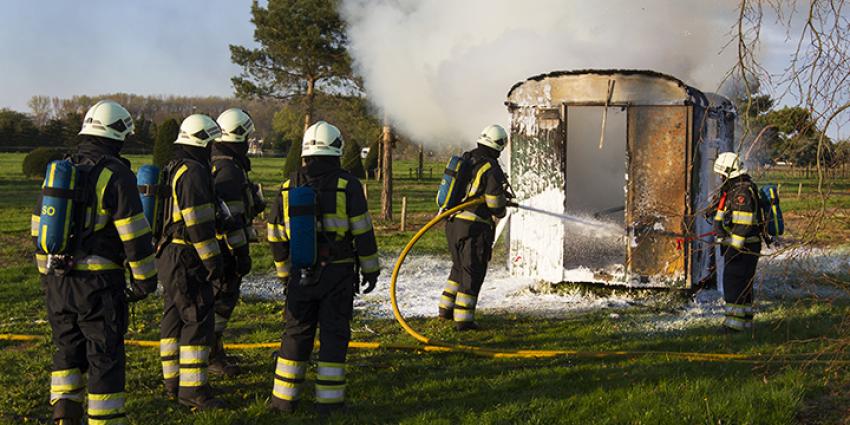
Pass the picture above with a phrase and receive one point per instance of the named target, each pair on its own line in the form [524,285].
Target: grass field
[423,388]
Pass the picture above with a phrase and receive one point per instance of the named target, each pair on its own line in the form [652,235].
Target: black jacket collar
[238,152]
[318,168]
[485,152]
[198,154]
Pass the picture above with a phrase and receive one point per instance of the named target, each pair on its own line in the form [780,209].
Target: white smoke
[441,68]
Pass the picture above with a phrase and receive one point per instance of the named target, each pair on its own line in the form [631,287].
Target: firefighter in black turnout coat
[470,233]
[190,265]
[230,166]
[86,300]
[738,225]
[321,295]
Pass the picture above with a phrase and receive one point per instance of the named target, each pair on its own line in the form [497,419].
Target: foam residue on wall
[536,241]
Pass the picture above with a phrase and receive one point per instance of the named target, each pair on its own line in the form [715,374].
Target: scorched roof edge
[645,72]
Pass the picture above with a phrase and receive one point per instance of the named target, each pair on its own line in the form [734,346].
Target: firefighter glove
[243,264]
[139,289]
[369,281]
[259,202]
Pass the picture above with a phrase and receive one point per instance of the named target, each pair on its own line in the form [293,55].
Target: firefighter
[321,296]
[190,265]
[230,166]
[470,233]
[86,300]
[737,225]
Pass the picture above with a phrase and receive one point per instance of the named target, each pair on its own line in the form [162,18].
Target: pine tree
[301,51]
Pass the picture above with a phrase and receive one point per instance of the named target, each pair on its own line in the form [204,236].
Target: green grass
[422,388]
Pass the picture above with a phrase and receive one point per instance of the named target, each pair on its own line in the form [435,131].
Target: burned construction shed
[629,154]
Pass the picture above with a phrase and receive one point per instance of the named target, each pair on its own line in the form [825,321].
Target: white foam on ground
[781,276]
[422,280]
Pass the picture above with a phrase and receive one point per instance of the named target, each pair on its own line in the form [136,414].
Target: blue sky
[62,48]
[180,47]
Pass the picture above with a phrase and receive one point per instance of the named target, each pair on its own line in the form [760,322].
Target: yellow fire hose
[249,346]
[431,345]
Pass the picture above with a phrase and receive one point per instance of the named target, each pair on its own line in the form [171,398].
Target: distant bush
[293,160]
[163,148]
[35,163]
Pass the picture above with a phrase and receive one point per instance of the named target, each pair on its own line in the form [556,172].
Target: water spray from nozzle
[600,225]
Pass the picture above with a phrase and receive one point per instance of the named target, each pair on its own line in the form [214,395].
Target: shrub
[293,160]
[35,163]
[163,148]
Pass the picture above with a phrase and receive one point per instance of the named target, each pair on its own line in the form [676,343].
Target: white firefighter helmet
[197,130]
[321,139]
[236,125]
[494,136]
[107,119]
[728,164]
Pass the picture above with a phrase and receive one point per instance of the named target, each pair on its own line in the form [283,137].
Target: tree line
[787,135]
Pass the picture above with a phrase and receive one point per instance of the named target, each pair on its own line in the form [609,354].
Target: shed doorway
[595,183]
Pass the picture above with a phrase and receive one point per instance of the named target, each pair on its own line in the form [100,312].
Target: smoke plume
[440,69]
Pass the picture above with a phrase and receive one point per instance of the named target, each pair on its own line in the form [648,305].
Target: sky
[64,48]
[152,47]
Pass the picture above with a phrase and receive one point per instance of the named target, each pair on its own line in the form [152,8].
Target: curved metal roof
[630,86]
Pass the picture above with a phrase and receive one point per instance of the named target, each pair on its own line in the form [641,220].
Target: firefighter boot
[283,406]
[202,400]
[221,363]
[446,314]
[67,412]
[171,387]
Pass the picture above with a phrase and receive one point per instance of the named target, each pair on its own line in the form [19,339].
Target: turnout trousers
[328,306]
[186,330]
[226,292]
[738,276]
[87,312]
[471,246]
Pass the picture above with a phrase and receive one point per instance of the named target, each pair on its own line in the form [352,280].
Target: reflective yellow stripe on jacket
[206,249]
[132,227]
[743,217]
[176,217]
[360,224]
[338,221]
[285,205]
[476,183]
[100,190]
[474,188]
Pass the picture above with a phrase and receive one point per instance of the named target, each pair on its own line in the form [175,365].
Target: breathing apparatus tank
[774,223]
[454,183]
[303,227]
[148,181]
[57,209]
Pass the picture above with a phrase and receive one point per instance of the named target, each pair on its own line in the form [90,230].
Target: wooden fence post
[387,171]
[403,212]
